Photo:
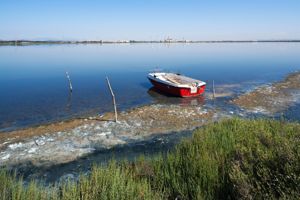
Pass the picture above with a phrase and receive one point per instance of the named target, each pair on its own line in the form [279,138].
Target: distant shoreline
[45,42]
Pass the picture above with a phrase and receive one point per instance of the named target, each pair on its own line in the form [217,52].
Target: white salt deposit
[40,141]
[5,157]
[260,110]
[61,147]
[50,140]
[15,146]
[104,133]
[32,150]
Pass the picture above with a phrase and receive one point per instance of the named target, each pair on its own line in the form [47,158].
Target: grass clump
[111,182]
[231,159]
[114,181]
[13,188]
[235,159]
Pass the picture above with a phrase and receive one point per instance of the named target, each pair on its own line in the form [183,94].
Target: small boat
[176,84]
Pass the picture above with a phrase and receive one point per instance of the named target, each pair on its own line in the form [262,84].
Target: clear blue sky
[149,19]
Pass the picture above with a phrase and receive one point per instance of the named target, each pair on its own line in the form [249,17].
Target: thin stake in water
[113,99]
[70,83]
[214,89]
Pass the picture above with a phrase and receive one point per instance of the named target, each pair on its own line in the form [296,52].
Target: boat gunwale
[168,82]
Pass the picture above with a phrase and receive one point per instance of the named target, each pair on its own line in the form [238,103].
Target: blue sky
[149,19]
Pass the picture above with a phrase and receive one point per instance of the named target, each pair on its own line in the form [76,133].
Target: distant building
[169,40]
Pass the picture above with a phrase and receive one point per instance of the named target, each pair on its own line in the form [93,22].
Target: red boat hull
[177,91]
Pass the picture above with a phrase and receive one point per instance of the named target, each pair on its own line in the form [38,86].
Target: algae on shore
[273,98]
[52,144]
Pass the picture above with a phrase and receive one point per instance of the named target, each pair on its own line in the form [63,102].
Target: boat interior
[178,79]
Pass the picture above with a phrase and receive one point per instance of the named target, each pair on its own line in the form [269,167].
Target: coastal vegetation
[230,159]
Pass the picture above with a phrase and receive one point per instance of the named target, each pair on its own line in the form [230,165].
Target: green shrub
[234,159]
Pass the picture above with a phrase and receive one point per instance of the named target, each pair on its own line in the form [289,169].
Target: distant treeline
[41,42]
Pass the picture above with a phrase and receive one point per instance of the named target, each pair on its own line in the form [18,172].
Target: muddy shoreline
[67,141]
[272,98]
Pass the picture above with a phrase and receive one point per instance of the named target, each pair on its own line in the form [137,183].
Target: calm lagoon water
[34,88]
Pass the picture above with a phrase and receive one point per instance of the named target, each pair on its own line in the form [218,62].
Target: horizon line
[168,40]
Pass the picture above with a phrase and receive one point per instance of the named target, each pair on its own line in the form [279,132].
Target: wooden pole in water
[113,99]
[214,95]
[70,83]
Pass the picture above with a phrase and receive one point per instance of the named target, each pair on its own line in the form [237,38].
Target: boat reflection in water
[162,98]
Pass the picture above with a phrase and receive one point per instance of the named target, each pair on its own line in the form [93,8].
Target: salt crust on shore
[271,99]
[135,125]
